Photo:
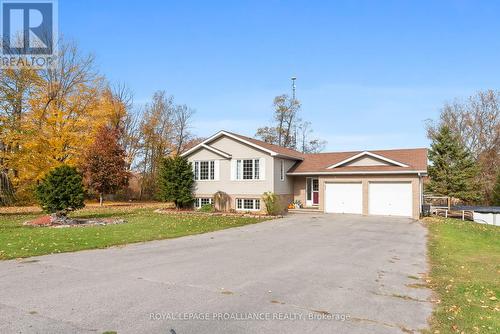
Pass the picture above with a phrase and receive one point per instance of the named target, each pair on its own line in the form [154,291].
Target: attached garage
[383,182]
[387,198]
[344,197]
[390,198]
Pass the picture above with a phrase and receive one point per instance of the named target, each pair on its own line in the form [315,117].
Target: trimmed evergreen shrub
[61,190]
[176,181]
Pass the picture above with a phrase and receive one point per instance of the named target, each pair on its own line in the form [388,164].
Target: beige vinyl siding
[204,154]
[283,187]
[238,151]
[367,161]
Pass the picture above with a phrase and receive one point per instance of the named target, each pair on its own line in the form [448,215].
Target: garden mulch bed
[92,206]
[222,214]
[51,221]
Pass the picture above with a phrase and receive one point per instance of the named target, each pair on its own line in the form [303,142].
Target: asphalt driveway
[301,274]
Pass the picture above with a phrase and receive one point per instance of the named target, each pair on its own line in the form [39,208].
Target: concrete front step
[305,210]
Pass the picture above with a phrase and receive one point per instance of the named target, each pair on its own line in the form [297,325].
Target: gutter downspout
[421,193]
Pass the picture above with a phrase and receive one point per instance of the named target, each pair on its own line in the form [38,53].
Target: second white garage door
[390,198]
[344,198]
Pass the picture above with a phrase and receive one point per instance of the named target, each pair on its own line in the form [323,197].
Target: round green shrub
[207,208]
[61,190]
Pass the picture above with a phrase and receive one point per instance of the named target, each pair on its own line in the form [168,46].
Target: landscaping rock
[40,221]
[63,222]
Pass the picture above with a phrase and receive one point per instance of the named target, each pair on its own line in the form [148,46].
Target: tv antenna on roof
[293,100]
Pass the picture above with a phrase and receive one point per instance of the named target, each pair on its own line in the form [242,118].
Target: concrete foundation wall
[283,200]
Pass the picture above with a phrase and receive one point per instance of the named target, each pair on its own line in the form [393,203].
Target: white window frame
[256,169]
[198,200]
[211,170]
[240,204]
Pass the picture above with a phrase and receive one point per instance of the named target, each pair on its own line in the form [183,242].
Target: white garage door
[390,198]
[344,198]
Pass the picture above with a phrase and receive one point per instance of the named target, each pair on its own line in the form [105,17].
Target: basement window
[248,204]
[201,201]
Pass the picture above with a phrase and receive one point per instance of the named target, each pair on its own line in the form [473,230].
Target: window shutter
[282,170]
[262,168]
[196,168]
[233,169]
[216,170]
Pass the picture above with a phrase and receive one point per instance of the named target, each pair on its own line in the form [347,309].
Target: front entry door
[312,191]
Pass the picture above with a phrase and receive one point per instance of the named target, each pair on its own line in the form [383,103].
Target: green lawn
[142,224]
[465,274]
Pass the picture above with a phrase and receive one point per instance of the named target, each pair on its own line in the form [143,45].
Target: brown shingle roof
[275,148]
[416,159]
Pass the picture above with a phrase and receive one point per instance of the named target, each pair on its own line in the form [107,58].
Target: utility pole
[293,101]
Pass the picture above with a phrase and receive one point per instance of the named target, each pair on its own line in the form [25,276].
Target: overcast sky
[369,72]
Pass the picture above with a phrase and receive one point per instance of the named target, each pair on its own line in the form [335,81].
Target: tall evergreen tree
[496,191]
[176,181]
[453,170]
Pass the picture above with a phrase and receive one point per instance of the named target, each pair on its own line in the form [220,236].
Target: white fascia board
[224,133]
[358,173]
[216,151]
[210,148]
[373,155]
[196,147]
[248,143]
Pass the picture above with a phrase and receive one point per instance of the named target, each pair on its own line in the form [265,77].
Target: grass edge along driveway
[142,224]
[465,275]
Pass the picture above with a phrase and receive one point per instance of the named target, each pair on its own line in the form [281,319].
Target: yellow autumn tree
[66,107]
[16,85]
